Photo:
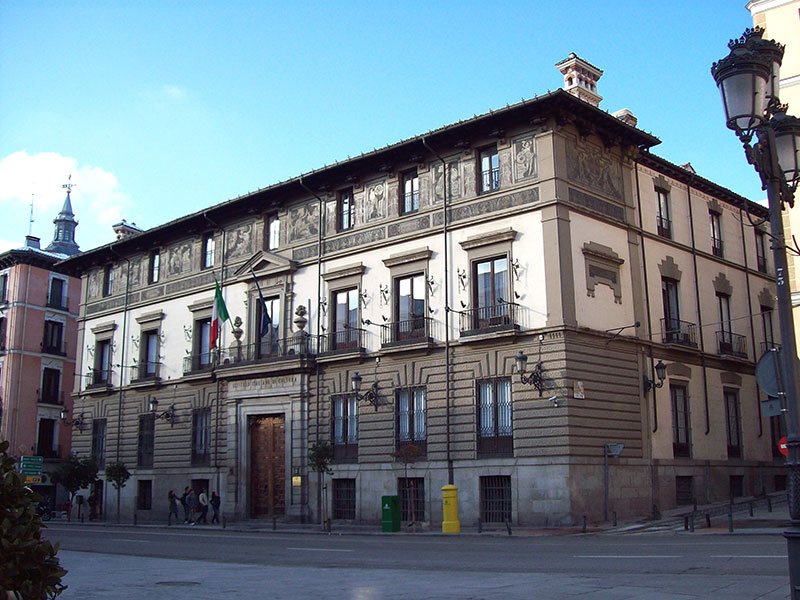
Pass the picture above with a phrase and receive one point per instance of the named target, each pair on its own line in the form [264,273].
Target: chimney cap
[31,241]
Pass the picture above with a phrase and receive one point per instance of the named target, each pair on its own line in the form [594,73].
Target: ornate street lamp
[748,81]
[661,375]
[168,415]
[536,378]
[76,422]
[371,395]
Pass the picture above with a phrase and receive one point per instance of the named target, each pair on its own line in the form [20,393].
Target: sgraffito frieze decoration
[468,178]
[94,284]
[374,202]
[136,272]
[454,181]
[475,209]
[304,221]
[179,258]
[525,163]
[240,241]
[602,267]
[587,166]
[505,167]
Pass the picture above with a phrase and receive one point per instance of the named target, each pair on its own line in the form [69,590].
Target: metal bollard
[274,524]
[685,522]
[730,519]
[751,509]
[224,522]
[508,526]
[769,504]
[134,518]
[480,525]
[583,529]
[614,514]
[691,522]
[708,519]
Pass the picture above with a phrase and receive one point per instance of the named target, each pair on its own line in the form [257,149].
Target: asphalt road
[123,562]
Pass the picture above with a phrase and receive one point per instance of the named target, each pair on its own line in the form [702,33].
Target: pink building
[38,332]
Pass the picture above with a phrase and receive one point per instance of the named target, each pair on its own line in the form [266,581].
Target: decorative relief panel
[468,178]
[136,272]
[489,205]
[374,204]
[454,181]
[304,221]
[505,167]
[179,258]
[525,163]
[587,165]
[240,241]
[602,267]
[94,281]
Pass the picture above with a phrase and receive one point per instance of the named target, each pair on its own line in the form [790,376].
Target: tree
[74,474]
[30,568]
[408,455]
[117,473]
[320,455]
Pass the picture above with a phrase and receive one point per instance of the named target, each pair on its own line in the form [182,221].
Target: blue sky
[162,108]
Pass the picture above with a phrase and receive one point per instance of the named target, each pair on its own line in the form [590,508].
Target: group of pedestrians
[195,506]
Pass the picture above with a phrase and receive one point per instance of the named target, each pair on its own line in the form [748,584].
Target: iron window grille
[144,494]
[733,428]
[495,432]
[411,490]
[201,436]
[147,429]
[345,427]
[411,408]
[495,499]
[99,442]
[344,499]
[681,441]
[684,490]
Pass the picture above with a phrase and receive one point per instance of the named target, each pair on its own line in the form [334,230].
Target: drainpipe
[13,449]
[447,309]
[122,350]
[319,324]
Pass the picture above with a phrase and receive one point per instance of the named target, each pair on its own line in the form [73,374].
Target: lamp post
[748,81]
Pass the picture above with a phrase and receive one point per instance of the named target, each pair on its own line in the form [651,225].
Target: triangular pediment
[264,263]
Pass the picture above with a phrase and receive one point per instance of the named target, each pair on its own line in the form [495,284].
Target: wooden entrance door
[267,470]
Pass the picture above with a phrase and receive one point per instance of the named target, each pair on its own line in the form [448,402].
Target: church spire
[64,235]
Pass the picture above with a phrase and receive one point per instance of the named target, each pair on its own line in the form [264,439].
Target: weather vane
[69,185]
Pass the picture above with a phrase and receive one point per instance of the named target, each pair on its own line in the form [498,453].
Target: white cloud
[174,92]
[97,200]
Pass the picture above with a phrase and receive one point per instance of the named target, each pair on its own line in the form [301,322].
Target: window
[51,386]
[147,431]
[345,210]
[345,427]
[201,436]
[154,269]
[148,347]
[761,251]
[4,288]
[209,246]
[716,232]
[411,491]
[672,315]
[273,232]
[769,333]
[202,338]
[494,417]
[490,293]
[344,499]
[732,422]
[102,362]
[495,500]
[144,494]
[268,318]
[684,490]
[411,412]
[2,334]
[108,280]
[736,486]
[725,330]
[53,336]
[409,201]
[489,170]
[345,319]
[45,442]
[55,295]
[99,441]
[409,308]
[663,222]
[681,444]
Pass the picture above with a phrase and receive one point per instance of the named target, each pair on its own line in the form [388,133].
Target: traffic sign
[33,479]
[31,465]
[782,446]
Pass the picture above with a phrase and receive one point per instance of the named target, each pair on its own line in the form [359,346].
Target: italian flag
[219,314]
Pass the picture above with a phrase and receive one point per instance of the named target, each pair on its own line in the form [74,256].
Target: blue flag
[266,320]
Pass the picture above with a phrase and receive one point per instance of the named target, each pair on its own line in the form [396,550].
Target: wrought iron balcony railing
[488,319]
[664,227]
[732,344]
[45,397]
[201,361]
[270,349]
[145,370]
[490,179]
[675,331]
[761,262]
[101,377]
[350,339]
[408,331]
[717,247]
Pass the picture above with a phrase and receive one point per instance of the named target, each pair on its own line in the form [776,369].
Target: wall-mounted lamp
[168,415]
[536,378]
[371,395]
[76,422]
[661,374]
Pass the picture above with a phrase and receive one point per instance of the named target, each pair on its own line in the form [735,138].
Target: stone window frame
[486,246]
[208,250]
[154,266]
[479,155]
[150,324]
[407,264]
[600,259]
[103,335]
[341,279]
[347,224]
[276,289]
[201,312]
[62,302]
[663,191]
[715,222]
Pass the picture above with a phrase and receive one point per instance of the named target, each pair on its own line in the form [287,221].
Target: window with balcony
[148,354]
[345,210]
[732,421]
[490,295]
[201,339]
[345,427]
[209,248]
[495,435]
[56,294]
[489,170]
[681,441]
[273,232]
[411,417]
[716,233]
[46,439]
[146,441]
[727,341]
[345,320]
[53,337]
[761,251]
[154,267]
[663,221]
[672,315]
[409,200]
[51,386]
[410,322]
[201,436]
[99,442]
[101,373]
[268,317]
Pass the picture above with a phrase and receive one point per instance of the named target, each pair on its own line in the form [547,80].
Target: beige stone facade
[425,268]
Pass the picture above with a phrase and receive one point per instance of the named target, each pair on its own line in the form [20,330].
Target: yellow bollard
[450,522]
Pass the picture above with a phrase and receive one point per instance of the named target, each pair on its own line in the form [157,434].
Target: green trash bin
[390,509]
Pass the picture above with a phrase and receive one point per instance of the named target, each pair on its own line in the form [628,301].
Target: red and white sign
[782,446]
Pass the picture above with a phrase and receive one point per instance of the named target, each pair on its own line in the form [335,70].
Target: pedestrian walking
[202,505]
[191,505]
[215,502]
[185,506]
[173,507]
